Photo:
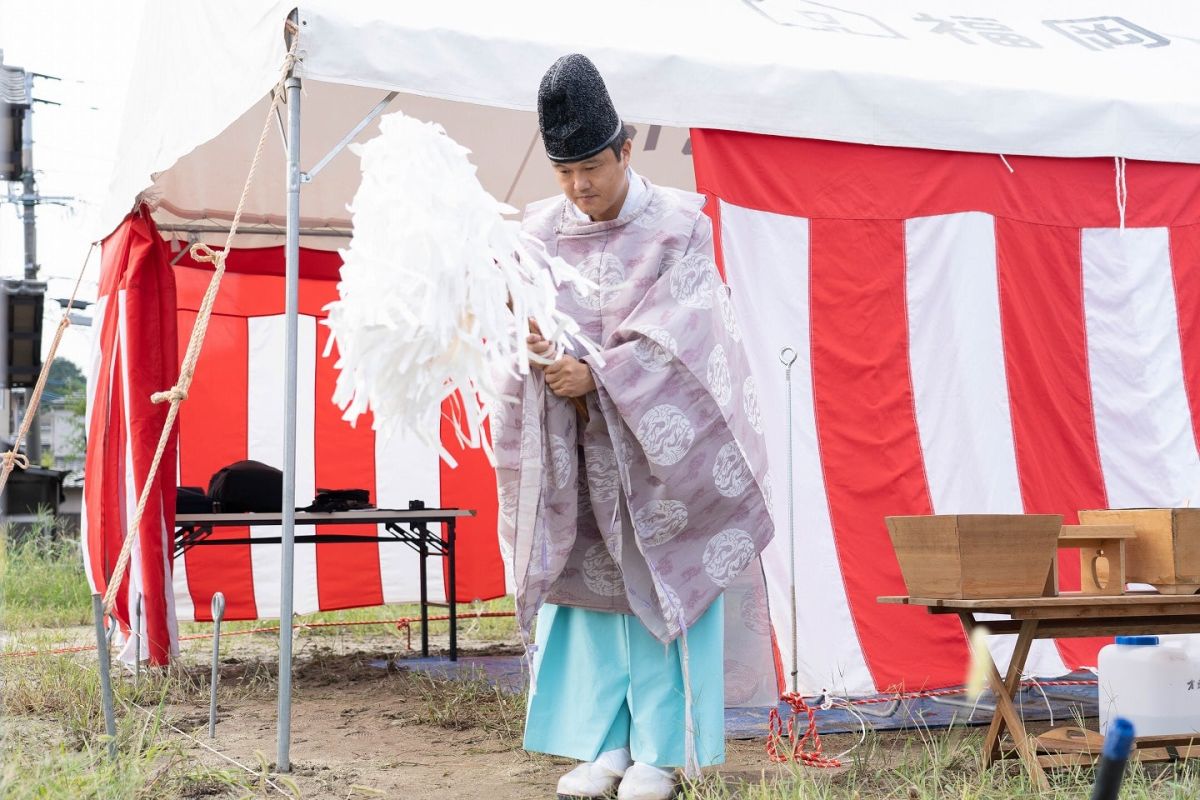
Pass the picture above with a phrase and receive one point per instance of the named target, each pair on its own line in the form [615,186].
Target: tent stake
[218,613]
[288,545]
[106,695]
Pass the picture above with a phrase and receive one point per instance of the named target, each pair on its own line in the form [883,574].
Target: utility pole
[33,444]
[29,194]
[21,333]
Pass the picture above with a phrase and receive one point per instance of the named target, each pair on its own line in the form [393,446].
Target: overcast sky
[90,46]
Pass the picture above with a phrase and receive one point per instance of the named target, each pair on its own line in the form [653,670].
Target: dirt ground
[358,728]
[357,736]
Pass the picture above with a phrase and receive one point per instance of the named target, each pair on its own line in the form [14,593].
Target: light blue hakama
[604,682]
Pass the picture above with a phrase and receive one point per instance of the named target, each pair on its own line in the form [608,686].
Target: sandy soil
[358,736]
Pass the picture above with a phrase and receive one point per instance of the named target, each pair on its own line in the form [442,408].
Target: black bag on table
[192,500]
[247,486]
[328,500]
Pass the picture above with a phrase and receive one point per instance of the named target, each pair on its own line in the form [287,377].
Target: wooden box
[1101,556]
[975,556]
[1166,550]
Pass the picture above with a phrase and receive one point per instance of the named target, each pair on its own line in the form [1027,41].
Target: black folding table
[414,526]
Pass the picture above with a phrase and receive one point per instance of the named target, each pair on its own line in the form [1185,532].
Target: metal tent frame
[296,178]
[283,724]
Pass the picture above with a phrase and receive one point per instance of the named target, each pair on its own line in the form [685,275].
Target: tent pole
[243,229]
[349,137]
[288,545]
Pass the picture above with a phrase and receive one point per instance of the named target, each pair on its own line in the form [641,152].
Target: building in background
[31,493]
[56,484]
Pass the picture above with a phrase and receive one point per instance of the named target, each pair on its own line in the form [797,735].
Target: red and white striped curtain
[133,355]
[972,339]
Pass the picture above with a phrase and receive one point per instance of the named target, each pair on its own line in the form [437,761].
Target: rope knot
[14,459]
[204,254]
[176,394]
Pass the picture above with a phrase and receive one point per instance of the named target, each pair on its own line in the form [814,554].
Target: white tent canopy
[1069,78]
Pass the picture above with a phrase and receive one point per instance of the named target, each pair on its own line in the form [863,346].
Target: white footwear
[646,782]
[595,778]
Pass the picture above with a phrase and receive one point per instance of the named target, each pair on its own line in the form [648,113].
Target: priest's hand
[538,345]
[570,377]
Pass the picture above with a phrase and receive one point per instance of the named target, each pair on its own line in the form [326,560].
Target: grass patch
[52,741]
[941,765]
[471,704]
[42,583]
[156,770]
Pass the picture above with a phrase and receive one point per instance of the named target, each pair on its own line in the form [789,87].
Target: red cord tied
[804,749]
[402,623]
[405,624]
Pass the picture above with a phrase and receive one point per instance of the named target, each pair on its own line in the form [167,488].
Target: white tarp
[1068,78]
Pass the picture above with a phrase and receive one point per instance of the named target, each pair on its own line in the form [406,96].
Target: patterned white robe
[657,503]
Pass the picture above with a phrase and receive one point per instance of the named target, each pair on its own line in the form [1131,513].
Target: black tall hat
[575,113]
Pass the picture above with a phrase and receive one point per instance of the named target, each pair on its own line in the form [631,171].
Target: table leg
[453,586]
[423,530]
[1006,713]
[1012,683]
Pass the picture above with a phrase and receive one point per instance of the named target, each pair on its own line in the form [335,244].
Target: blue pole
[1111,770]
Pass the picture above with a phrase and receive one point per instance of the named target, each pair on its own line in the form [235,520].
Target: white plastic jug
[1155,686]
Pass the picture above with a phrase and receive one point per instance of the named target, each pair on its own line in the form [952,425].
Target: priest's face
[597,185]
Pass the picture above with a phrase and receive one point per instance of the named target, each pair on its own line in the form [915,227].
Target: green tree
[66,380]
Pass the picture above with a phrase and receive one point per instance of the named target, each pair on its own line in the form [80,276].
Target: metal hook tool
[787,357]
[137,641]
[218,613]
[106,693]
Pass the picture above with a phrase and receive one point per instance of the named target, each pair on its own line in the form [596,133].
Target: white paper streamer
[424,311]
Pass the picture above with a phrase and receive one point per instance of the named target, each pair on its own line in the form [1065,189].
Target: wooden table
[409,526]
[1063,617]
